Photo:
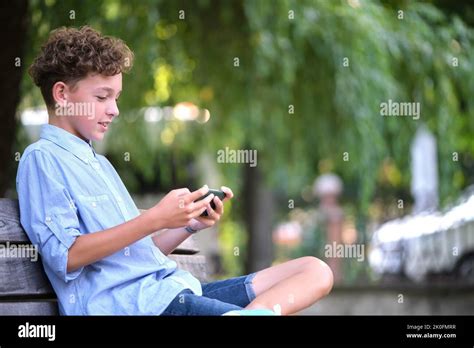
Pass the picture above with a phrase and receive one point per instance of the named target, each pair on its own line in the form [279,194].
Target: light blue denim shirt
[67,190]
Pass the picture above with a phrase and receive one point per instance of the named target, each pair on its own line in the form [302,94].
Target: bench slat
[194,264]
[10,228]
[22,276]
[29,308]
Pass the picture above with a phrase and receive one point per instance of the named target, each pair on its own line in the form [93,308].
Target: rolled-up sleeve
[47,211]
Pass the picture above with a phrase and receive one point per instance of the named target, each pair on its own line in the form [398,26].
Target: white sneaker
[252,312]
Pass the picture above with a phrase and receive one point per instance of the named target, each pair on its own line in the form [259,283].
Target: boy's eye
[101,98]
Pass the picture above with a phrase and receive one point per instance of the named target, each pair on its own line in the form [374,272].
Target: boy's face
[92,103]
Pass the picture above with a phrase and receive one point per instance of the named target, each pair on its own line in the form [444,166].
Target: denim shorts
[217,298]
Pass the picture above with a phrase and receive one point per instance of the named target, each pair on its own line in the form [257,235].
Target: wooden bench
[24,287]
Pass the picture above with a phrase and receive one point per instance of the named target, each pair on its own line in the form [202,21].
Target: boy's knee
[320,273]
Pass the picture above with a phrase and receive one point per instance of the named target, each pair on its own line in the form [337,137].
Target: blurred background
[345,129]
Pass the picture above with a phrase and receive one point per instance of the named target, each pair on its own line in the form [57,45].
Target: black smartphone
[218,193]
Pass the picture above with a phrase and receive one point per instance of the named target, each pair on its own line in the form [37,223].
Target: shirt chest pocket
[98,212]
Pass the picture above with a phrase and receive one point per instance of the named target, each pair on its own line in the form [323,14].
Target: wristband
[190,229]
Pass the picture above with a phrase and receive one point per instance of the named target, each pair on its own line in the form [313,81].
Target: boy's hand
[177,208]
[202,222]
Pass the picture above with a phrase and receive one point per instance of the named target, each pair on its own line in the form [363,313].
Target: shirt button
[48,219]
[94,204]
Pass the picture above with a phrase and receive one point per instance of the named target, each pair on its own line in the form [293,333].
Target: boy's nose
[112,110]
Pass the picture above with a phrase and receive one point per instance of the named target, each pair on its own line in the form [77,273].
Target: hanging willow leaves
[249,62]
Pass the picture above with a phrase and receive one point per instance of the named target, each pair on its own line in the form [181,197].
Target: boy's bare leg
[293,285]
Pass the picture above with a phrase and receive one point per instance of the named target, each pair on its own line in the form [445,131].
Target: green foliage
[233,239]
[291,54]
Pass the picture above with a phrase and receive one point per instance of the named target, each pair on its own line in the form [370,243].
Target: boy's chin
[97,136]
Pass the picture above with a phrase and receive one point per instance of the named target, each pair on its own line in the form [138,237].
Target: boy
[96,248]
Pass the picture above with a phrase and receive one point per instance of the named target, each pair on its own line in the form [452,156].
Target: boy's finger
[182,191]
[228,193]
[196,194]
[201,208]
[213,215]
[203,203]
[219,206]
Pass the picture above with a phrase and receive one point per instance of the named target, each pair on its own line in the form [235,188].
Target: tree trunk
[259,213]
[14,16]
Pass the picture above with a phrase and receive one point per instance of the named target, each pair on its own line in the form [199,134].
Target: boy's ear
[59,92]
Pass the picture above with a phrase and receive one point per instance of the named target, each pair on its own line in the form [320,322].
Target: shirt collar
[68,141]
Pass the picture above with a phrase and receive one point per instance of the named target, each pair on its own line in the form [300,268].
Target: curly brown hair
[70,54]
